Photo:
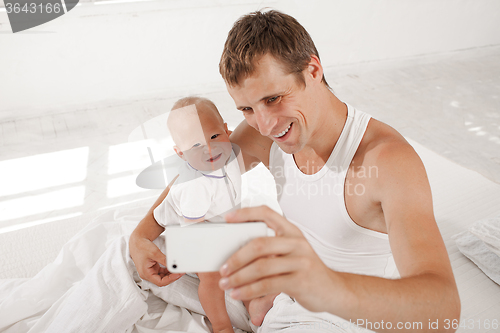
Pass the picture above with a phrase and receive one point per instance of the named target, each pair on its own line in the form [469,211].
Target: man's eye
[273,99]
[246,109]
[214,136]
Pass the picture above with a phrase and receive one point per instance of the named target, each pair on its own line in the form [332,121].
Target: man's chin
[288,148]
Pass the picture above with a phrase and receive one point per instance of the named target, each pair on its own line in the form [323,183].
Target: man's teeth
[283,133]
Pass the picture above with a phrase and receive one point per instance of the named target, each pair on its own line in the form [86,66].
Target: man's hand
[150,262]
[285,263]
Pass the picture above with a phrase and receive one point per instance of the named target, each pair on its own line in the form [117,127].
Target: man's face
[276,105]
[204,140]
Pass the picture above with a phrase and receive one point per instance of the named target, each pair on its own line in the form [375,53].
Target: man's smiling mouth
[283,133]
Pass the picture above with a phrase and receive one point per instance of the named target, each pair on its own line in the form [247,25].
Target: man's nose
[265,121]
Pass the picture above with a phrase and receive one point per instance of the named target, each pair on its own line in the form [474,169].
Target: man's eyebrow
[262,99]
[267,97]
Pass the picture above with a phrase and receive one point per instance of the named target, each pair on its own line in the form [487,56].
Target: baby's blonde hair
[187,101]
[196,100]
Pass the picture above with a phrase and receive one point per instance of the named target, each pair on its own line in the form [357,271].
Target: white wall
[132,51]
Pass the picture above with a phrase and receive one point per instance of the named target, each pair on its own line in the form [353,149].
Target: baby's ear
[228,132]
[179,153]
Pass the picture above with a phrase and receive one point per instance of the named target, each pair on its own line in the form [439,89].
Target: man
[344,246]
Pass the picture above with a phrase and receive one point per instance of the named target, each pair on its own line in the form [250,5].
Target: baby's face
[203,140]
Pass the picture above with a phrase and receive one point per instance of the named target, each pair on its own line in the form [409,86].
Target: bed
[461,197]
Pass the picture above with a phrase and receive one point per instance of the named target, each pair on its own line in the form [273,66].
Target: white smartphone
[204,247]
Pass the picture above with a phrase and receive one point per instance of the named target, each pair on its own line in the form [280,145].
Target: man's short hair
[260,33]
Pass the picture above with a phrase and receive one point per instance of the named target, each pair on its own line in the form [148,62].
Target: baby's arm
[145,254]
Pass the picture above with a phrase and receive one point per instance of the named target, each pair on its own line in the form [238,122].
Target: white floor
[449,103]
[58,170]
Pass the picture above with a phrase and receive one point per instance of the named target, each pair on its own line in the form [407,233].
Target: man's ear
[179,153]
[314,69]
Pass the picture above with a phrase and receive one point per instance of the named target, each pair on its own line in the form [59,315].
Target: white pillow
[481,244]
[488,231]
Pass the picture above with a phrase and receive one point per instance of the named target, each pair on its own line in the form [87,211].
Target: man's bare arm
[427,290]
[254,147]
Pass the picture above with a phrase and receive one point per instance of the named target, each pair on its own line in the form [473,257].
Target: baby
[209,182]
[208,187]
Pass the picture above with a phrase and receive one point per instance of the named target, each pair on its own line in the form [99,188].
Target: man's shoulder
[386,150]
[382,143]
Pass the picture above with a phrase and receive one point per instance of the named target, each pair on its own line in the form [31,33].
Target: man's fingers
[275,221]
[258,248]
[260,269]
[271,285]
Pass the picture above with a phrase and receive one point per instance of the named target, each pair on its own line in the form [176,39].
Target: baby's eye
[196,145]
[214,136]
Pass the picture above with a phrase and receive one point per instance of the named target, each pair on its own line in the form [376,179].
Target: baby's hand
[147,258]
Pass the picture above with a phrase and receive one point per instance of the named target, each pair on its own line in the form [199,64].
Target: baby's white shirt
[198,193]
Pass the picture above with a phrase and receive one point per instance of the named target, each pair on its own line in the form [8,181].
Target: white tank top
[315,203]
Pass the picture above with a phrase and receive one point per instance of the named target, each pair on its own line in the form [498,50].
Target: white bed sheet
[461,197]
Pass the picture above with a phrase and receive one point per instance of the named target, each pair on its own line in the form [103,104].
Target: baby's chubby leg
[213,301]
